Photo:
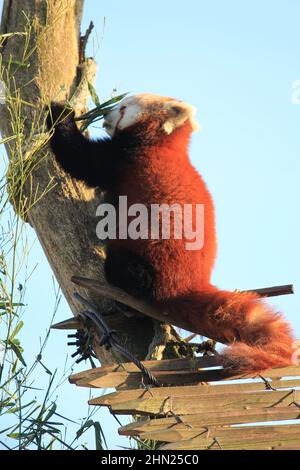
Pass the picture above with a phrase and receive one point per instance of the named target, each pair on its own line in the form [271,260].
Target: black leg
[130,272]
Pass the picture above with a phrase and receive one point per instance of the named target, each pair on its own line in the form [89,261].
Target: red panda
[146,158]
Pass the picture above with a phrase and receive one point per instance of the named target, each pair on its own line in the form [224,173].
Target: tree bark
[63,217]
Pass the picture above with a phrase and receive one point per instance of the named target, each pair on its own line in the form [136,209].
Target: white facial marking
[130,109]
[123,115]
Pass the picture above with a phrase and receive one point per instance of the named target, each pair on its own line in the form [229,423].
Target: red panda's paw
[60,115]
[241,358]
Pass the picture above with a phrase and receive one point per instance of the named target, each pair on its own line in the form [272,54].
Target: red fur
[259,338]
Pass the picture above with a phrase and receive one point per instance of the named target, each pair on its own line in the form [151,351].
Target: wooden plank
[134,379]
[186,433]
[261,442]
[166,364]
[176,377]
[192,391]
[212,418]
[223,401]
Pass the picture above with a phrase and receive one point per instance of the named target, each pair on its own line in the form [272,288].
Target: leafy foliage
[29,401]
[98,113]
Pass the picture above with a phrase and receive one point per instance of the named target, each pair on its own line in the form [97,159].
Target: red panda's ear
[177,113]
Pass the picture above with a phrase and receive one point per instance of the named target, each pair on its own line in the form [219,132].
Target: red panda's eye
[177,110]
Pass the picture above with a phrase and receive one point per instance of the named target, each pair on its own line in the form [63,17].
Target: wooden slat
[175,377]
[262,442]
[166,364]
[134,379]
[192,391]
[199,410]
[223,401]
[186,433]
[212,418]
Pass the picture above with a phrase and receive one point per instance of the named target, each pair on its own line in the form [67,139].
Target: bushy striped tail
[258,337]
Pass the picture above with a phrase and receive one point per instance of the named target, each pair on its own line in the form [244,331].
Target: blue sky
[236,62]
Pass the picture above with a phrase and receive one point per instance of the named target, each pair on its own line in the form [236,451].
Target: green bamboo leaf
[64,417]
[93,94]
[54,423]
[5,305]
[99,435]
[19,408]
[6,404]
[49,446]
[2,431]
[14,367]
[17,351]
[16,330]
[114,100]
[51,428]
[51,412]
[99,112]
[14,435]
[84,428]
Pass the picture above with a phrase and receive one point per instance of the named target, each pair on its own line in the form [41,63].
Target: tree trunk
[60,209]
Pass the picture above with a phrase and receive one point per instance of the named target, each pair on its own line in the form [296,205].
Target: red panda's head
[146,109]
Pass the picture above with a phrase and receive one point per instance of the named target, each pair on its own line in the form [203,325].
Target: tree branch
[61,210]
[154,311]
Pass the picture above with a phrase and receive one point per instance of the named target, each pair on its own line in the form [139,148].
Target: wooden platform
[199,406]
